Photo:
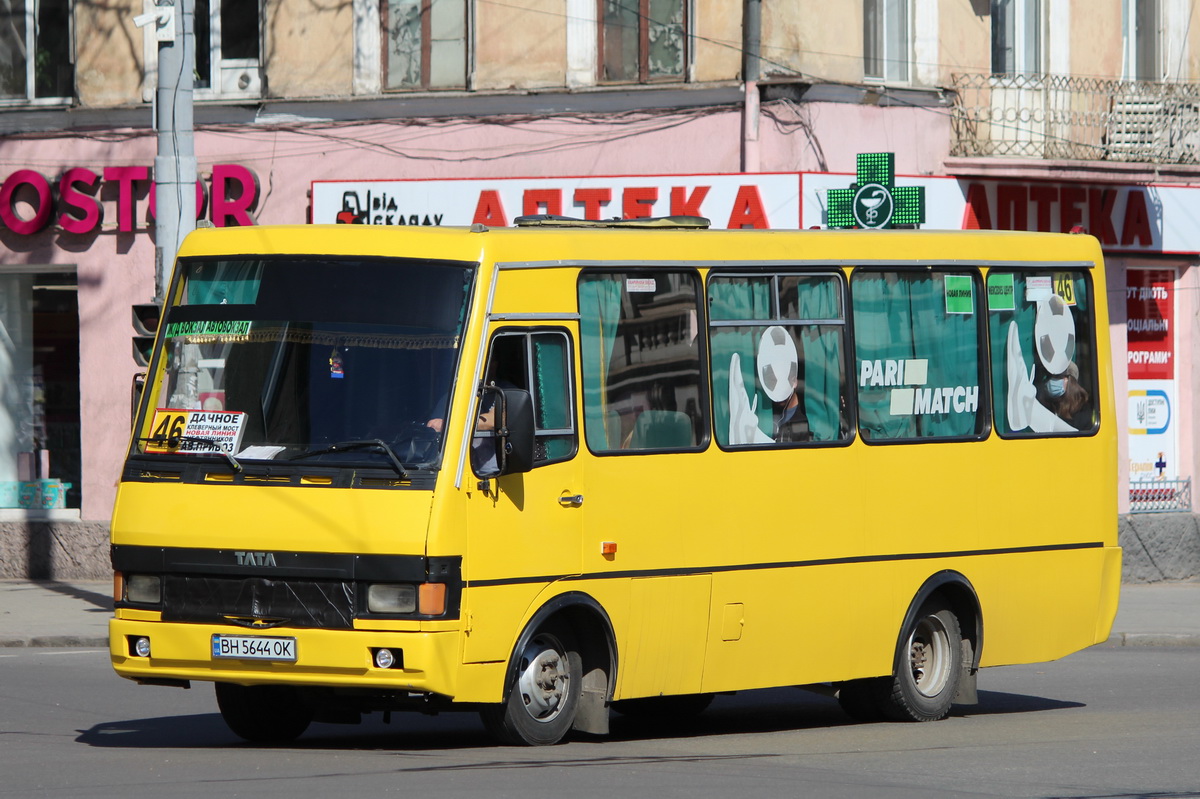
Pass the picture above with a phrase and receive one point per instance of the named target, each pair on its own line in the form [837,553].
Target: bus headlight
[145,589]
[391,598]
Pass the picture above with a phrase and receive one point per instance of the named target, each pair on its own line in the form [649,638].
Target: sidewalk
[77,613]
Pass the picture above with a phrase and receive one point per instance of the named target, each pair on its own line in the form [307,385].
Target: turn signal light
[432,600]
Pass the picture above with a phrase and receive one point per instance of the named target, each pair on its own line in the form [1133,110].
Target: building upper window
[1016,37]
[1142,40]
[425,44]
[43,28]
[228,48]
[643,40]
[886,40]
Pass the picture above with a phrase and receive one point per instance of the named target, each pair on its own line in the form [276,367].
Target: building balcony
[1075,119]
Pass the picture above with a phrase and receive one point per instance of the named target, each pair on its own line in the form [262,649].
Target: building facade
[1024,114]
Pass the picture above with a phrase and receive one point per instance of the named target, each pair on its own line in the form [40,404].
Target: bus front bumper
[427,661]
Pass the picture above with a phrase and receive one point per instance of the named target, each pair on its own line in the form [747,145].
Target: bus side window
[539,362]
[643,382]
[777,345]
[1043,353]
[917,340]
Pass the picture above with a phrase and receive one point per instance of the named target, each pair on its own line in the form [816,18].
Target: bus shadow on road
[750,712]
[999,703]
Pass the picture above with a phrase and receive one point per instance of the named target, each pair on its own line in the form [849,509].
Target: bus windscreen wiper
[345,446]
[173,442]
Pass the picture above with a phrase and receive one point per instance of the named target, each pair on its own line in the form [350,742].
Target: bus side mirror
[514,430]
[135,396]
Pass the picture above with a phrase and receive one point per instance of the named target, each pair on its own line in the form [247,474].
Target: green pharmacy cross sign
[873,200]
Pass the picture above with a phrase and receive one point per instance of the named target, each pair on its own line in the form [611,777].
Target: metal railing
[1160,496]
[1072,118]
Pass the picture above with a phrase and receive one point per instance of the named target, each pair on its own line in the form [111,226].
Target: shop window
[642,379]
[40,466]
[1016,37]
[886,40]
[917,343]
[1043,354]
[425,44]
[643,40]
[43,28]
[540,363]
[228,48]
[777,344]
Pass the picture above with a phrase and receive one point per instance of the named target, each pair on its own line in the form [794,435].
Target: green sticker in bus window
[960,294]
[208,327]
[1001,292]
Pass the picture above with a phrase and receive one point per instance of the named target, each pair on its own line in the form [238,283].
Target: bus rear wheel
[263,713]
[929,666]
[540,707]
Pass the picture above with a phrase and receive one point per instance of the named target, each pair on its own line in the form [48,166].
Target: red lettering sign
[748,210]
[125,177]
[1096,209]
[592,200]
[83,201]
[976,215]
[77,209]
[683,204]
[227,203]
[542,201]
[42,201]
[1137,221]
[637,202]
[1043,199]
[1149,296]
[490,210]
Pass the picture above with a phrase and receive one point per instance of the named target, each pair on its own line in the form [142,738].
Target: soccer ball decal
[1054,331]
[777,364]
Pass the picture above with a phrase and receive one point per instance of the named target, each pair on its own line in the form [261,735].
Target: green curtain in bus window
[739,298]
[599,314]
[224,283]
[821,347]
[948,342]
[550,380]
[1021,399]
[883,337]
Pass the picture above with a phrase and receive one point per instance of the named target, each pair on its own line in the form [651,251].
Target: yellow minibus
[550,471]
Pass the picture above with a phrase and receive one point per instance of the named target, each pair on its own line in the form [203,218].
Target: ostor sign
[75,201]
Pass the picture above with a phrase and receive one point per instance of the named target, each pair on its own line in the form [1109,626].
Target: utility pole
[175,163]
[751,44]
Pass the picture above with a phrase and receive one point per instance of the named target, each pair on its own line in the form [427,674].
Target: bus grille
[326,604]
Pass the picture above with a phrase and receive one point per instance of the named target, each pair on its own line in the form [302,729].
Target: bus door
[524,529]
[643,395]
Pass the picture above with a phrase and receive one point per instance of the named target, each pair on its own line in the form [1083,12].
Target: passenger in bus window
[778,369]
[1050,398]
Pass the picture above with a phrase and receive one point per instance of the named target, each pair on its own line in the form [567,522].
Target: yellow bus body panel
[732,570]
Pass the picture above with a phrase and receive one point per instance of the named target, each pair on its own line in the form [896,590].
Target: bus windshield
[292,358]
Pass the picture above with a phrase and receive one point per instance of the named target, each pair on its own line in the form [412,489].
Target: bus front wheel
[263,713]
[541,703]
[929,666]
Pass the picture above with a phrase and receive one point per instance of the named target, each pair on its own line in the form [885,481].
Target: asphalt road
[1108,722]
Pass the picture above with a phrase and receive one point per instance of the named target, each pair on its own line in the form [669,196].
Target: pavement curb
[55,641]
[1154,639]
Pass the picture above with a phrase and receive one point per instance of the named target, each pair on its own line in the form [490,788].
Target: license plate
[254,647]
